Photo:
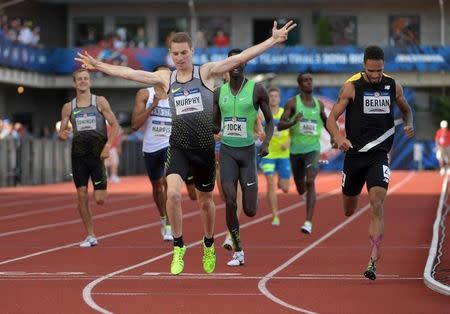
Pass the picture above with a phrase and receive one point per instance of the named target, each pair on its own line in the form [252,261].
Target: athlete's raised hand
[87,61]
[281,35]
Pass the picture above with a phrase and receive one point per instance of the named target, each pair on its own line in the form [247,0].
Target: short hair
[181,37]
[273,89]
[299,77]
[234,51]
[373,53]
[79,70]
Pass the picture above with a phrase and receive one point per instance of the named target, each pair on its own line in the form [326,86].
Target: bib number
[308,127]
[235,127]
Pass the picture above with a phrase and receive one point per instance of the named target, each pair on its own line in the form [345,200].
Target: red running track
[42,269]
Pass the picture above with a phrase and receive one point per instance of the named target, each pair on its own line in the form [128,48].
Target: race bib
[161,128]
[188,101]
[376,102]
[86,122]
[235,127]
[308,127]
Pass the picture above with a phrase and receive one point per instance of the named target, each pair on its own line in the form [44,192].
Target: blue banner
[280,60]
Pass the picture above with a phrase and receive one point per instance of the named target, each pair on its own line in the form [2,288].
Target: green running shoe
[177,261]
[209,258]
[371,271]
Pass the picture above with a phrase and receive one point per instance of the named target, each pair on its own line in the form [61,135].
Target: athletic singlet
[89,129]
[369,118]
[158,126]
[278,139]
[238,115]
[305,134]
[191,105]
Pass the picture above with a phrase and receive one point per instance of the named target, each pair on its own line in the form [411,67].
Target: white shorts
[443,154]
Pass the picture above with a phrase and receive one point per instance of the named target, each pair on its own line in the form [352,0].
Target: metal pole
[441,8]
[193,28]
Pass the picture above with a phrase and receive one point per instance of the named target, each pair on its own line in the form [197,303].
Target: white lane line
[111,200]
[75,221]
[262,284]
[34,200]
[87,291]
[106,236]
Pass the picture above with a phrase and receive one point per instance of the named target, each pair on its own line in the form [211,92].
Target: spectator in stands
[442,140]
[91,39]
[26,34]
[8,131]
[221,39]
[140,40]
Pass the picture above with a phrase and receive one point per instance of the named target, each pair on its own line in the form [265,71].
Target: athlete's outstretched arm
[286,120]
[217,115]
[405,108]
[160,77]
[262,99]
[213,69]
[346,93]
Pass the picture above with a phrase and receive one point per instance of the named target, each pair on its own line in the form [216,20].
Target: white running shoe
[237,260]
[89,241]
[228,244]
[442,171]
[115,179]
[307,227]
[163,222]
[168,234]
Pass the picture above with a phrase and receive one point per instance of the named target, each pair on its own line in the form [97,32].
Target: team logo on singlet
[188,101]
[376,102]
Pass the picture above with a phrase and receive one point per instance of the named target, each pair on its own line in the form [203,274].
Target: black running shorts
[371,168]
[201,163]
[84,168]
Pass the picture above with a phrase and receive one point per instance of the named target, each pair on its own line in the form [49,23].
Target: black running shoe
[371,271]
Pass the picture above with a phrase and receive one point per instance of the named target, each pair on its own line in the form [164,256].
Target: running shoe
[371,271]
[168,234]
[275,221]
[307,227]
[163,221]
[89,241]
[177,265]
[228,243]
[209,258]
[238,259]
